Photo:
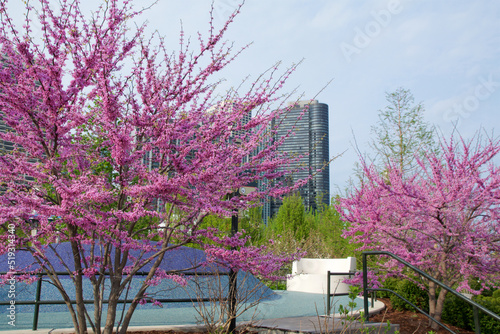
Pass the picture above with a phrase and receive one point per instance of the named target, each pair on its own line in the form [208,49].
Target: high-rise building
[310,142]
[5,146]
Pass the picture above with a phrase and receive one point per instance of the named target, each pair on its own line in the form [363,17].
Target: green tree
[249,222]
[318,233]
[290,217]
[329,227]
[401,132]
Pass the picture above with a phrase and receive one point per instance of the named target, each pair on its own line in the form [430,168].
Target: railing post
[233,286]
[476,307]
[328,306]
[37,300]
[477,325]
[365,288]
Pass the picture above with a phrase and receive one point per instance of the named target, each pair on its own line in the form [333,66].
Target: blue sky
[446,52]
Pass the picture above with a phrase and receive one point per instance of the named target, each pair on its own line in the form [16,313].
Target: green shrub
[413,293]
[389,283]
[459,313]
[488,324]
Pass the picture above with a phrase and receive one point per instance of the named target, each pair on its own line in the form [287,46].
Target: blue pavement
[284,304]
[272,304]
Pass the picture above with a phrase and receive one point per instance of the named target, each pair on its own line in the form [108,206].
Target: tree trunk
[138,297]
[78,282]
[114,295]
[71,310]
[97,305]
[439,308]
[432,301]
[128,316]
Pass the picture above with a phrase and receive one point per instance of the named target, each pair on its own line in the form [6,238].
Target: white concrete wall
[309,275]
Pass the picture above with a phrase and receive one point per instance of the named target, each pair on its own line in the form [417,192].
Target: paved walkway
[318,325]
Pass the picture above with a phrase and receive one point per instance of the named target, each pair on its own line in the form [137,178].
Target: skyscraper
[310,141]
[5,146]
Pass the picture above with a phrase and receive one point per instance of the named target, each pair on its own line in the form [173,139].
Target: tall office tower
[311,142]
[231,106]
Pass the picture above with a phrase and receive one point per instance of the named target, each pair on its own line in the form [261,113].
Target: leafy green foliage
[347,312]
[291,216]
[488,324]
[459,313]
[318,233]
[348,315]
[328,228]
[413,293]
[249,222]
[401,131]
[389,283]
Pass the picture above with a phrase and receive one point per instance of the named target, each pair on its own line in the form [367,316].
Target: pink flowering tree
[443,218]
[121,148]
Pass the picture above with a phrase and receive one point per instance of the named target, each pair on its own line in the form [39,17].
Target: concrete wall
[310,275]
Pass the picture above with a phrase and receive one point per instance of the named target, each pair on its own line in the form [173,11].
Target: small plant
[216,314]
[276,285]
[349,315]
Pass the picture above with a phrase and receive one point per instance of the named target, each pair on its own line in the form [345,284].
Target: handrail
[328,289]
[37,302]
[416,307]
[430,278]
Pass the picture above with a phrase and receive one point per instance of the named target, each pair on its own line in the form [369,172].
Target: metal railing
[37,302]
[475,305]
[329,294]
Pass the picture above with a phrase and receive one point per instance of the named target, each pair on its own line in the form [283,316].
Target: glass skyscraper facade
[310,141]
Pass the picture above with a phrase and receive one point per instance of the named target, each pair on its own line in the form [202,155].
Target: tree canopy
[121,148]
[401,132]
[442,217]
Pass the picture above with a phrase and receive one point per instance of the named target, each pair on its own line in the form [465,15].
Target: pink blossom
[120,146]
[357,280]
[442,218]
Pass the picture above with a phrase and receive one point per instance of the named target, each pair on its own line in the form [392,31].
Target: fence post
[477,325]
[37,300]
[365,288]
[328,306]
[233,285]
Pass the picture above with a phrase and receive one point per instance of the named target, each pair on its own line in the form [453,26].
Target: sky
[446,52]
